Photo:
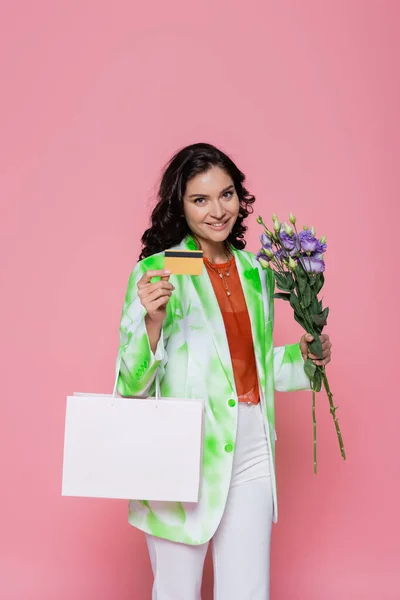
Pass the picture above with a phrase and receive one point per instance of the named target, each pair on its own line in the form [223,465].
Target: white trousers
[241,544]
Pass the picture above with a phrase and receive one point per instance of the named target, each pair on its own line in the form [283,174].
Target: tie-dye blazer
[193,360]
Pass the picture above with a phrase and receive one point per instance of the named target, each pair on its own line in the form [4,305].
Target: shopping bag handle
[117,369]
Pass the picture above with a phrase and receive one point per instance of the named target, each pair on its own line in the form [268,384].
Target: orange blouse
[238,329]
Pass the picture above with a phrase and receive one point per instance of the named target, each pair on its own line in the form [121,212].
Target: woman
[210,337]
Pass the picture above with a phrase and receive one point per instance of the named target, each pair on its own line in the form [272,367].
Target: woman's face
[211,205]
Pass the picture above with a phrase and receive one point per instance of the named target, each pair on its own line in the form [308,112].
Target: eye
[199,200]
[228,194]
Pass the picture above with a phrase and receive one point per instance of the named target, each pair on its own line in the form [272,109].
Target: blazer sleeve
[138,365]
[289,374]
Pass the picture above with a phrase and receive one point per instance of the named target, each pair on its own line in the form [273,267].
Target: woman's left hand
[306,339]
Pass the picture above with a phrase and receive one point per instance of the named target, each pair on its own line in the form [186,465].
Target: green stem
[333,412]
[309,261]
[276,262]
[310,322]
[314,433]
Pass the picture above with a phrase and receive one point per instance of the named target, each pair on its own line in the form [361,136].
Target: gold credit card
[184,262]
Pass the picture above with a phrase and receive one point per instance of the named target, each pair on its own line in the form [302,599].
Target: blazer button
[232,402]
[228,448]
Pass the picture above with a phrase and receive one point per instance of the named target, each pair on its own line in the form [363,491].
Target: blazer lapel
[212,314]
[252,288]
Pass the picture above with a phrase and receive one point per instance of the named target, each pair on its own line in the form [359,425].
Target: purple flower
[296,249]
[266,241]
[288,242]
[308,241]
[280,254]
[313,263]
[263,256]
[291,243]
[320,248]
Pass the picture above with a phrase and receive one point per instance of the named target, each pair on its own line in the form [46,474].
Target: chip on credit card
[184,262]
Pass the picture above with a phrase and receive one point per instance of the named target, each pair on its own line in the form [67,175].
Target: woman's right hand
[155,296]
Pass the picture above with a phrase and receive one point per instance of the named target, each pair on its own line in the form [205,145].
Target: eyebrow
[206,195]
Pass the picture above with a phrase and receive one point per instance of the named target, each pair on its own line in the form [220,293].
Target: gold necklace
[221,274]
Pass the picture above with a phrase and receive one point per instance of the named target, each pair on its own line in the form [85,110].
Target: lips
[217,226]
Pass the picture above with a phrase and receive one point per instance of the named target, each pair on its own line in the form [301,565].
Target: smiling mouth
[218,225]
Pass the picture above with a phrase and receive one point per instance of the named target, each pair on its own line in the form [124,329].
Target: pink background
[96,96]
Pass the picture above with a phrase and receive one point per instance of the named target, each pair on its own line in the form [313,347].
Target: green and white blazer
[193,361]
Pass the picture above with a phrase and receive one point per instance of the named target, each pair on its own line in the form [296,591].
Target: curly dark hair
[168,224]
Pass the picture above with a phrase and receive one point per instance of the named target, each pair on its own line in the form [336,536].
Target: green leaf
[295,303]
[316,382]
[300,320]
[282,296]
[321,319]
[320,282]
[314,307]
[281,281]
[318,328]
[309,368]
[306,296]
[316,347]
[279,278]
[289,281]
[282,286]
[301,277]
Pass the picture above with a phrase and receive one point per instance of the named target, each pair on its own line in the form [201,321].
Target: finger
[158,293]
[164,285]
[149,288]
[163,301]
[304,341]
[317,361]
[148,275]
[146,298]
[323,362]
[326,344]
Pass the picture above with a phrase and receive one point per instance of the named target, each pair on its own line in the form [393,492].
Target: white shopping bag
[133,448]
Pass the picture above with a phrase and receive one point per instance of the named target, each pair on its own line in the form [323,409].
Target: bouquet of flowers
[297,262]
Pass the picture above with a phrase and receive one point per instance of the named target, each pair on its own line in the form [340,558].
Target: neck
[216,252]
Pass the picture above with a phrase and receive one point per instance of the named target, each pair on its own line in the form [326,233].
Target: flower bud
[313,230]
[292,264]
[259,220]
[288,229]
[323,240]
[305,227]
[292,219]
[269,253]
[264,263]
[274,217]
[277,226]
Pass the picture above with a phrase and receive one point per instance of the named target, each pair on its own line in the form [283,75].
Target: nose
[217,210]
